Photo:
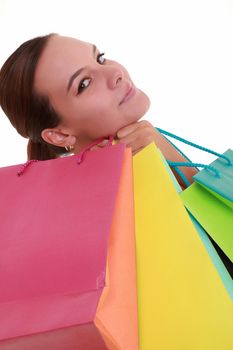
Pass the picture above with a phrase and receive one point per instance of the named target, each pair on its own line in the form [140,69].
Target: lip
[129,94]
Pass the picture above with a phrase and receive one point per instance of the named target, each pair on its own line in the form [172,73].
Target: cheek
[104,116]
[98,117]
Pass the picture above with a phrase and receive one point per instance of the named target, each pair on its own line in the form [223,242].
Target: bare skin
[95,110]
[91,107]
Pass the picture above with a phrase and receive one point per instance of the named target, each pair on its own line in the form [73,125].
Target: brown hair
[28,111]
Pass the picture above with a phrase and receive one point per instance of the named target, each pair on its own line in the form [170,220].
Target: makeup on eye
[80,89]
[100,55]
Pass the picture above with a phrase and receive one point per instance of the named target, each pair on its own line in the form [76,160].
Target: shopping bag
[116,314]
[55,223]
[213,187]
[85,336]
[218,263]
[210,200]
[182,302]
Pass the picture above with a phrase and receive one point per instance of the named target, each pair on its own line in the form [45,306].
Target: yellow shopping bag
[182,302]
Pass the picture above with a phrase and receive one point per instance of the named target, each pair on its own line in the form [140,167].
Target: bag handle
[190,163]
[229,162]
[79,157]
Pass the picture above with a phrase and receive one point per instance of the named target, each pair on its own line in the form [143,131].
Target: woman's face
[86,89]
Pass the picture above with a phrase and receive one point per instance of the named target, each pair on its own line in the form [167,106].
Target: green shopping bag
[210,198]
[218,263]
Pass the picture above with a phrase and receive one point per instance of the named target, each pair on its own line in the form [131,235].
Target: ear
[58,137]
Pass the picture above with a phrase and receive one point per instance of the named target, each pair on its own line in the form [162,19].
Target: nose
[114,77]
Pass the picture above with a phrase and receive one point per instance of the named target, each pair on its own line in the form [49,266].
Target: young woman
[62,94]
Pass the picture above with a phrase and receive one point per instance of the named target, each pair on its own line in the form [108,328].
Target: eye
[82,84]
[99,56]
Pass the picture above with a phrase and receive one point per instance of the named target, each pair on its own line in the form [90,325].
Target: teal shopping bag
[210,198]
[220,183]
[214,256]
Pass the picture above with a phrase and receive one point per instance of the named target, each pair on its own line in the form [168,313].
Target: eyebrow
[74,76]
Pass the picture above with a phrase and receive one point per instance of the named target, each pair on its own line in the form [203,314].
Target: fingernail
[103,143]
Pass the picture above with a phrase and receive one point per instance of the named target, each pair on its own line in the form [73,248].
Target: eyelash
[79,87]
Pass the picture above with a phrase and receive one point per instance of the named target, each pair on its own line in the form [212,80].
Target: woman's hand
[137,135]
[140,134]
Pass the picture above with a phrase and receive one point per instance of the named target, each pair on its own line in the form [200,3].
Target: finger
[132,140]
[94,148]
[138,139]
[100,145]
[132,127]
[137,151]
[127,130]
[103,143]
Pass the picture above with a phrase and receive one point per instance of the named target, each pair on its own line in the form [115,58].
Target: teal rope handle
[190,163]
[184,155]
[182,176]
[198,165]
[229,162]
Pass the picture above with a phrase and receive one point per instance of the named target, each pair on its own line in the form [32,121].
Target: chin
[139,109]
[134,112]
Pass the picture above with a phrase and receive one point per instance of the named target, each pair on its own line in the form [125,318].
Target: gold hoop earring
[69,148]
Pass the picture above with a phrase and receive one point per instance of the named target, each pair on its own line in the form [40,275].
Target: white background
[180,52]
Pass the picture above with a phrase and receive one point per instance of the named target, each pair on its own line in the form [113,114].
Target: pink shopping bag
[55,220]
